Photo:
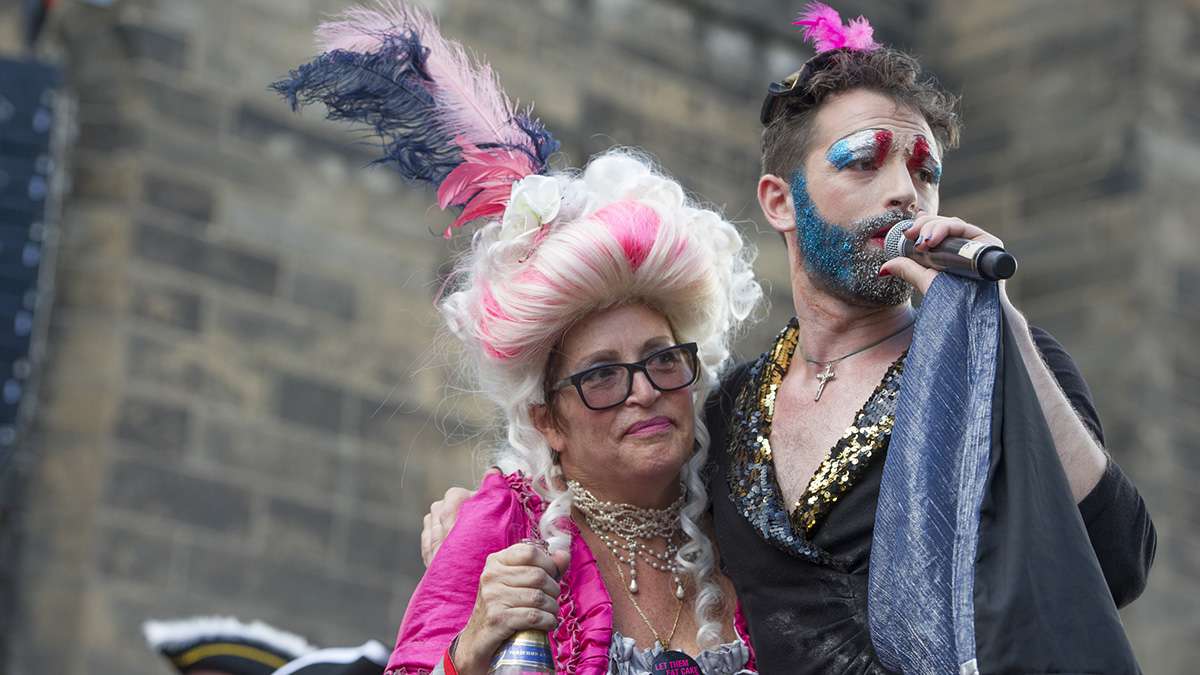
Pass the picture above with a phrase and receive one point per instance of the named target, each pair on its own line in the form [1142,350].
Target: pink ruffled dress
[504,512]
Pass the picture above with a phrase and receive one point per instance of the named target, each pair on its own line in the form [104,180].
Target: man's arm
[1116,518]
[1082,457]
[1117,521]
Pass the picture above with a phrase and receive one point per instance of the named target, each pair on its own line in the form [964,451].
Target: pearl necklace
[625,528]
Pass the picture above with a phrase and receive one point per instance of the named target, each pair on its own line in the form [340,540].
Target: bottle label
[525,652]
[972,248]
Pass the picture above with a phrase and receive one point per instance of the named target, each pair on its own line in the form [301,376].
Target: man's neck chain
[825,377]
[625,529]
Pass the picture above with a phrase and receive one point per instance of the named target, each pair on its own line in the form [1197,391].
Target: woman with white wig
[596,310]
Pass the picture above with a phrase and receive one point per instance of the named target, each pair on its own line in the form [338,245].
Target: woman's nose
[642,392]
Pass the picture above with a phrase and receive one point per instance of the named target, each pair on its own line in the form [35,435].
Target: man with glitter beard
[809,485]
[800,438]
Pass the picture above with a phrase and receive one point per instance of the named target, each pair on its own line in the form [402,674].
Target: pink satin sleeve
[743,631]
[490,521]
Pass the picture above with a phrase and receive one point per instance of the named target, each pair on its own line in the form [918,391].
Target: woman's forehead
[621,328]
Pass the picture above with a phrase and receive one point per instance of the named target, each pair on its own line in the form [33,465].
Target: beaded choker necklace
[625,529]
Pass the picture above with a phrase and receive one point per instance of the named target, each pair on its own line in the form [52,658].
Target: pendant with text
[675,663]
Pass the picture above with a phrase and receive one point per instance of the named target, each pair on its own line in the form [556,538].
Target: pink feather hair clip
[823,27]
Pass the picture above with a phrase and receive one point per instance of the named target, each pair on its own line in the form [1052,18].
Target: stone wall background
[247,404]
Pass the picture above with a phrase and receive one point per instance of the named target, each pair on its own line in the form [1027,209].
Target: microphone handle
[965,258]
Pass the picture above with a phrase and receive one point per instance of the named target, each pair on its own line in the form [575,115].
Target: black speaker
[28,116]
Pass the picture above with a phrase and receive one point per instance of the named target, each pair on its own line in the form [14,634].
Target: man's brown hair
[895,74]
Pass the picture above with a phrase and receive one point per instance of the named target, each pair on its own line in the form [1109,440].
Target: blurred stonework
[247,402]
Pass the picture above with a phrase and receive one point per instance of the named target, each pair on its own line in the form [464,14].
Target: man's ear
[775,200]
[543,420]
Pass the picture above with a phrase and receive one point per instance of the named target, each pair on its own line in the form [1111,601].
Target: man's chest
[805,430]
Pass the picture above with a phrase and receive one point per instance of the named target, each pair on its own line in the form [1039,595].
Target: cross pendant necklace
[825,377]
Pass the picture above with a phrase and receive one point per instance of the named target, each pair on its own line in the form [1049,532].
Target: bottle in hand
[525,653]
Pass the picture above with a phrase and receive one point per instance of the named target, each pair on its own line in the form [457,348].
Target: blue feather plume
[386,90]
[389,90]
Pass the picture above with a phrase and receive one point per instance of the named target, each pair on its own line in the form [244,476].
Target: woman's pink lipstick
[648,427]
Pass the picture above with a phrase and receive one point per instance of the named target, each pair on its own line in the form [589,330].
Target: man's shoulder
[732,380]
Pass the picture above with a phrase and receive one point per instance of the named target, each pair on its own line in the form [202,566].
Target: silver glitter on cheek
[865,286]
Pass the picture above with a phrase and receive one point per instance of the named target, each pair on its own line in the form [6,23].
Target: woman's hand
[517,591]
[929,231]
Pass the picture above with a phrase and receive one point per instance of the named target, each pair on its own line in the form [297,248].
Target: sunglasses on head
[791,89]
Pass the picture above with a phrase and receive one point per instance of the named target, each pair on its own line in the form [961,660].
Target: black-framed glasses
[609,385]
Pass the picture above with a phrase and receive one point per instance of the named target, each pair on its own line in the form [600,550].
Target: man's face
[871,164]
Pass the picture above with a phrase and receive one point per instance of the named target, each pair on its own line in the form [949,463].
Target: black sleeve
[717,410]
[1116,518]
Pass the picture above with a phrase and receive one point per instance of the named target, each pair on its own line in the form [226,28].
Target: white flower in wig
[535,201]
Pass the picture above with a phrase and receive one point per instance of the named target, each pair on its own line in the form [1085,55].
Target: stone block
[113,615]
[174,495]
[1187,289]
[65,404]
[184,198]
[167,306]
[310,403]
[1088,41]
[238,379]
[349,609]
[198,111]
[110,137]
[384,549]
[299,530]
[252,123]
[97,234]
[217,572]
[95,289]
[244,447]
[731,54]
[51,609]
[393,422]
[106,176]
[324,294]
[125,661]
[132,555]
[221,262]
[393,482]
[261,328]
[168,49]
[159,428]
[171,363]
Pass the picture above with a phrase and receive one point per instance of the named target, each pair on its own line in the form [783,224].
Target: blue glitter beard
[838,258]
[827,248]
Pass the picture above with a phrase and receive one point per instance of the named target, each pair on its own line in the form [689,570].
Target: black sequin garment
[852,455]
[752,483]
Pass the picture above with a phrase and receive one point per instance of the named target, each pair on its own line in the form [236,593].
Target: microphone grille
[893,243]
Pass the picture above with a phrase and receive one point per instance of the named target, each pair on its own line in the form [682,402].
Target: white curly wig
[622,233]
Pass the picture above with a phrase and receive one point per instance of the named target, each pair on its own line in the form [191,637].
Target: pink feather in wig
[471,106]
[361,30]
[824,29]
[482,183]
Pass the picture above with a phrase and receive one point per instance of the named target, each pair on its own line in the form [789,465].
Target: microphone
[963,257]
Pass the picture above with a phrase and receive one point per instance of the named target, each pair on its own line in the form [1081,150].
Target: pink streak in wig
[492,313]
[635,227]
